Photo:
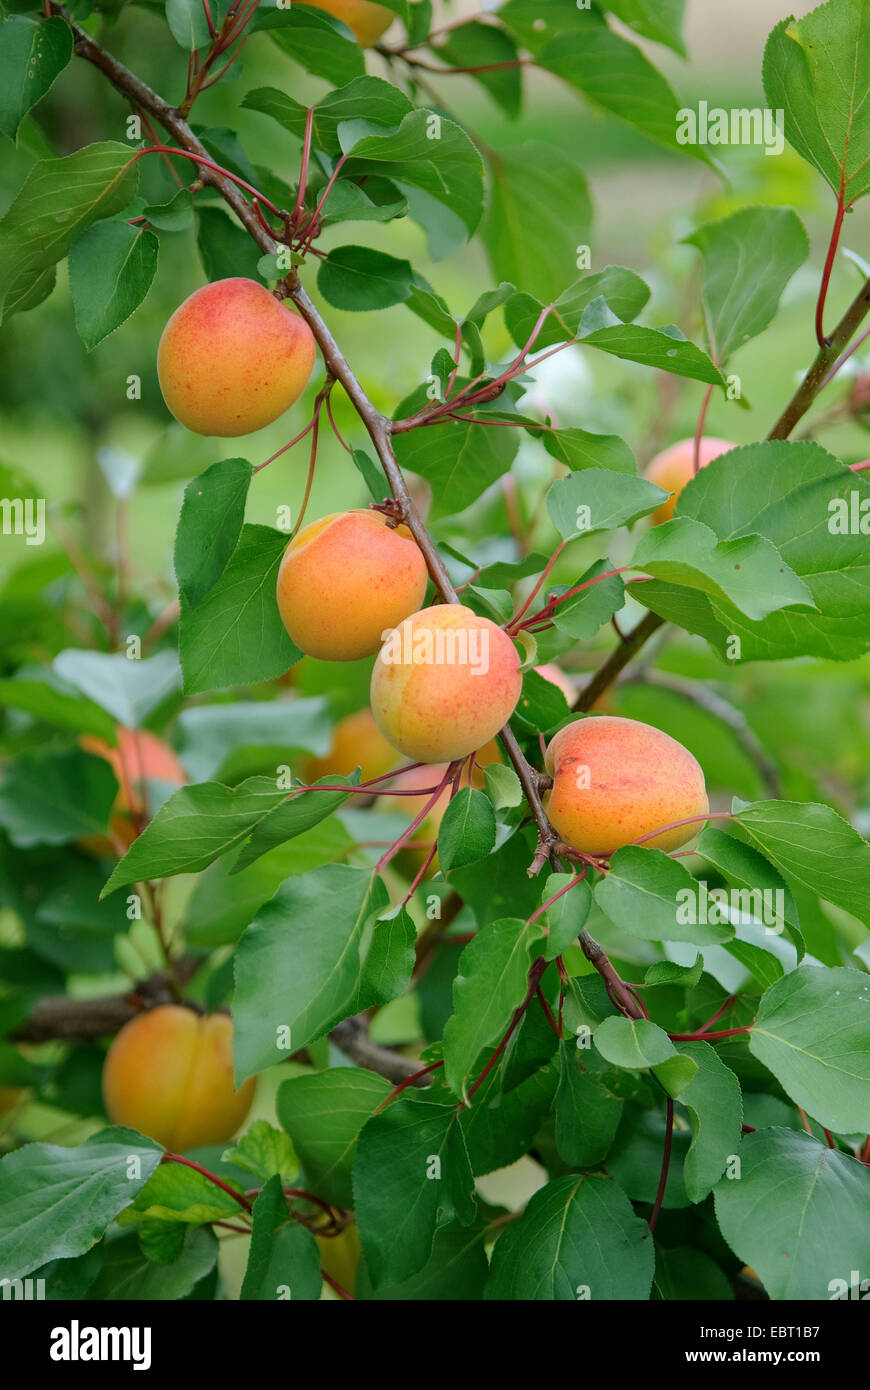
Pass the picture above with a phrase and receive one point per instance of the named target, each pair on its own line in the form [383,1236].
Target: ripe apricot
[673,468]
[617,779]
[169,1074]
[356,742]
[444,682]
[233,358]
[139,757]
[366,20]
[345,581]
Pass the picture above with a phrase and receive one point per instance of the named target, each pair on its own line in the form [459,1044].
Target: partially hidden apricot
[675,466]
[169,1074]
[233,358]
[616,780]
[445,681]
[345,581]
[356,742]
[139,757]
[366,21]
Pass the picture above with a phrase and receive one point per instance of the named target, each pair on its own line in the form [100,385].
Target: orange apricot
[233,358]
[169,1074]
[674,467]
[345,581]
[444,682]
[357,742]
[616,779]
[366,20]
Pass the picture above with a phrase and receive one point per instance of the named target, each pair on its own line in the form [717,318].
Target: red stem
[303,168]
[408,1081]
[535,974]
[537,589]
[578,878]
[212,1177]
[334,1284]
[666,1163]
[705,1037]
[198,159]
[829,260]
[699,430]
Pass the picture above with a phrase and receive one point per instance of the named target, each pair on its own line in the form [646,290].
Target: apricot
[444,682]
[169,1074]
[366,20]
[357,742]
[340,1256]
[345,581]
[233,358]
[617,779]
[139,757]
[556,676]
[674,467]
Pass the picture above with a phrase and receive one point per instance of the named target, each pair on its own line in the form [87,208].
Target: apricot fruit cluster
[169,1074]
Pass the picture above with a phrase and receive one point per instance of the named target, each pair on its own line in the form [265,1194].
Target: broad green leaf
[264,1151]
[539,215]
[187,23]
[635,1156]
[684,1273]
[566,917]
[581,616]
[360,278]
[225,248]
[715,1108]
[212,515]
[491,983]
[368,98]
[624,293]
[175,1192]
[218,736]
[290,817]
[578,448]
[748,571]
[129,690]
[587,1113]
[235,635]
[56,1203]
[198,824]
[485,45]
[635,1043]
[815,847]
[456,1271]
[458,460]
[49,798]
[799,1214]
[809,506]
[317,42]
[48,702]
[599,500]
[467,830]
[323,1114]
[32,55]
[174,216]
[578,1238]
[501,784]
[111,269]
[652,896]
[301,966]
[501,1125]
[749,259]
[411,1169]
[283,1260]
[760,886]
[128,1275]
[664,348]
[811,1031]
[817,71]
[58,202]
[660,20]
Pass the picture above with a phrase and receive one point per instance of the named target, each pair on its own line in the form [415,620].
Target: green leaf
[687,1274]
[283,1261]
[633,1043]
[659,20]
[715,1108]
[429,153]
[652,896]
[209,526]
[359,278]
[664,348]
[187,23]
[578,1238]
[814,846]
[177,1193]
[129,690]
[32,55]
[56,1203]
[578,448]
[501,784]
[458,460]
[624,293]
[479,45]
[581,616]
[587,1113]
[235,635]
[539,216]
[600,500]
[614,74]
[411,1169]
[455,1271]
[754,876]
[365,98]
[317,42]
[197,824]
[807,504]
[748,572]
[49,798]
[815,1203]
[566,917]
[290,817]
[111,269]
[817,71]
[225,248]
[174,216]
[58,202]
[214,739]
[49,703]
[501,1124]
[467,830]
[313,956]
[129,1276]
[323,1114]
[811,1031]
[264,1151]
[491,982]
[749,259]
